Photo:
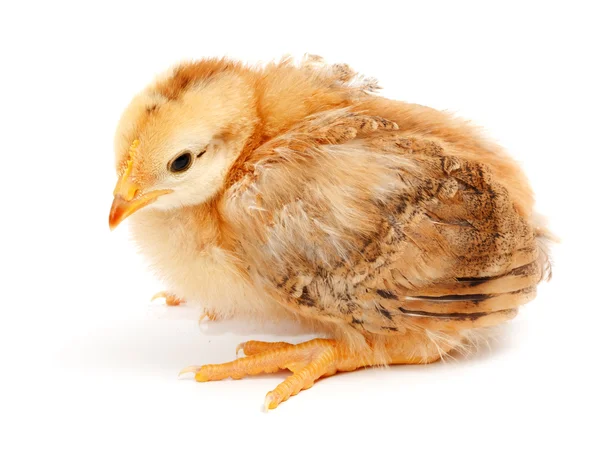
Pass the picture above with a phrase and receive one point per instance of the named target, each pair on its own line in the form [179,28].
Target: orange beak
[129,200]
[128,196]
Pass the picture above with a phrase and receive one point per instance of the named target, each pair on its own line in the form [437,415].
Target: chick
[294,191]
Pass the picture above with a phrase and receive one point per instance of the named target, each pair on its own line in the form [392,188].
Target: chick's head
[177,140]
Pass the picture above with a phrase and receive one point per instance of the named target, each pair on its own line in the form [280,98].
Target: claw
[170,299]
[191,369]
[209,315]
[239,347]
[158,295]
[270,402]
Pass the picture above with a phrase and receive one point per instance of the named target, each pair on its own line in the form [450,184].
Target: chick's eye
[181,163]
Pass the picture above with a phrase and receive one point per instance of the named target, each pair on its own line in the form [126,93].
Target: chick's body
[393,227]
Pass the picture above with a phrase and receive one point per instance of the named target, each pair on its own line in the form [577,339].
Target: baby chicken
[293,191]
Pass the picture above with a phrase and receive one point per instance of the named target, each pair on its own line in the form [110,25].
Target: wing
[348,220]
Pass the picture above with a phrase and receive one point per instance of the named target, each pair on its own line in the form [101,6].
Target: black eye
[181,163]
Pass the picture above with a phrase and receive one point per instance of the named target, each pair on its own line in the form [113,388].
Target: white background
[90,366]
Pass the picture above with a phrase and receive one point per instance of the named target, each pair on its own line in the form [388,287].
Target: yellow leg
[311,361]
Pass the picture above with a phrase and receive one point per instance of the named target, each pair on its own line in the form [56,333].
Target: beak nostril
[132,192]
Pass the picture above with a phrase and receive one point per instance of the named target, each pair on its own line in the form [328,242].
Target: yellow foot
[316,359]
[170,299]
[308,361]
